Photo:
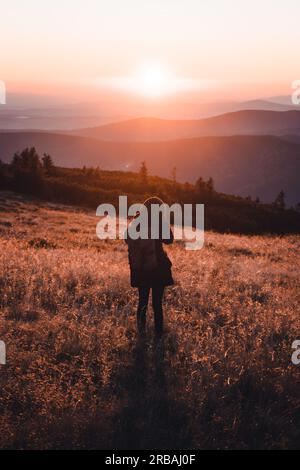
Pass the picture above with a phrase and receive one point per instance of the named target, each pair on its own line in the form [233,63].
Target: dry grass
[76,376]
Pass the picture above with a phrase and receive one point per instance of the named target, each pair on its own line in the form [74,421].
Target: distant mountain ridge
[242,165]
[260,122]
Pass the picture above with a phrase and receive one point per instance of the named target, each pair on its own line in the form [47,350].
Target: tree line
[29,173]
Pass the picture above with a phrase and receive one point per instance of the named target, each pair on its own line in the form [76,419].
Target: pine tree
[27,171]
[174,174]
[199,185]
[210,184]
[280,200]
[48,164]
[144,172]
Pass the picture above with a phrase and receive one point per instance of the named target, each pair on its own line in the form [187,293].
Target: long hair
[153,201]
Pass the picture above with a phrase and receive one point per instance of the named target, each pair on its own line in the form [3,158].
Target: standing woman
[150,268]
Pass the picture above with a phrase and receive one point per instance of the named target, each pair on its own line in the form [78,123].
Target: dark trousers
[157,297]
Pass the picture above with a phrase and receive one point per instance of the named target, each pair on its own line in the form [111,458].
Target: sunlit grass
[76,376]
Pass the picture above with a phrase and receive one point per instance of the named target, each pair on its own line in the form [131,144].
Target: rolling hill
[242,165]
[235,123]
[31,112]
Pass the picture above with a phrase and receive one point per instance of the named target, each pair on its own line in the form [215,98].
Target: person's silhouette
[150,268]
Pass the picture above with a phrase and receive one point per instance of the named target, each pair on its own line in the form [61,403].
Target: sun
[152,81]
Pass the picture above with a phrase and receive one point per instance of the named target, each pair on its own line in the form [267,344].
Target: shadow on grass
[150,418]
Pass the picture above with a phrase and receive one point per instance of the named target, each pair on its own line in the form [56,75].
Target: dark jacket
[149,263]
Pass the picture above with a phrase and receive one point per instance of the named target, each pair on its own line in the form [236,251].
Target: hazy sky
[249,46]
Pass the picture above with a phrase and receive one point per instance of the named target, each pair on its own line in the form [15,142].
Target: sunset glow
[225,42]
[153,81]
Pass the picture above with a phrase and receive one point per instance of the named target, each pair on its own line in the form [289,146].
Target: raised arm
[170,239]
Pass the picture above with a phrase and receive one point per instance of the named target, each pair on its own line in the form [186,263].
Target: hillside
[234,123]
[242,165]
[76,377]
[31,113]
[90,187]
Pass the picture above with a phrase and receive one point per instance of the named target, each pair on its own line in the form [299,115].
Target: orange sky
[217,50]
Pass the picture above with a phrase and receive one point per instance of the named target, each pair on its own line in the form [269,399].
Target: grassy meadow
[76,376]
